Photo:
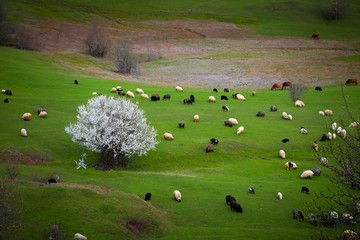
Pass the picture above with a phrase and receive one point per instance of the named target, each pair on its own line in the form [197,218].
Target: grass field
[109,204]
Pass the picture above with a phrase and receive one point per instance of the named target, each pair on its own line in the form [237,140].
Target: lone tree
[97,41]
[124,59]
[115,128]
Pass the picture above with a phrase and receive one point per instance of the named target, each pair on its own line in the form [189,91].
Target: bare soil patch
[204,54]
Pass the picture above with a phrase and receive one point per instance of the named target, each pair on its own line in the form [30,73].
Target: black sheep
[251,190]
[305,190]
[226,90]
[225,108]
[155,97]
[273,108]
[214,141]
[209,148]
[40,109]
[6,100]
[285,140]
[76,82]
[229,199]
[261,113]
[318,89]
[223,97]
[324,137]
[148,196]
[215,90]
[228,123]
[51,180]
[188,101]
[192,98]
[181,124]
[236,206]
[297,214]
[166,97]
[8,92]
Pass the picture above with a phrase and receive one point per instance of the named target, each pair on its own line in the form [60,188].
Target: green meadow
[105,205]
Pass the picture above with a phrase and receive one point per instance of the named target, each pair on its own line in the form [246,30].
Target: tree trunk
[109,161]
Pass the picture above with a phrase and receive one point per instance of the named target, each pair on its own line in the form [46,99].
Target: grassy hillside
[238,162]
[273,18]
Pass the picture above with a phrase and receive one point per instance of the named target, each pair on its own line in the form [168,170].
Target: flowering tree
[115,128]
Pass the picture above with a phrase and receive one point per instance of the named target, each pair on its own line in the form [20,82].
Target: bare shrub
[12,172]
[5,25]
[297,92]
[22,39]
[97,41]
[9,155]
[149,57]
[334,9]
[9,210]
[39,178]
[124,59]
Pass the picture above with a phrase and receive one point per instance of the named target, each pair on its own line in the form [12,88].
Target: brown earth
[202,54]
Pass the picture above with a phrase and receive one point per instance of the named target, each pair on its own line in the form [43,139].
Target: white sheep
[282,154]
[196,118]
[144,96]
[130,94]
[279,196]
[307,174]
[354,125]
[27,116]
[212,99]
[290,117]
[285,115]
[43,114]
[240,130]
[328,112]
[342,133]
[240,97]
[333,126]
[139,91]
[113,90]
[23,132]
[324,161]
[179,89]
[333,136]
[233,121]
[94,93]
[330,136]
[299,103]
[168,136]
[321,113]
[79,236]
[303,130]
[177,195]
[290,165]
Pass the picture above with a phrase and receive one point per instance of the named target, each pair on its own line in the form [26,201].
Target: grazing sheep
[23,132]
[144,96]
[285,140]
[26,116]
[316,171]
[299,103]
[130,94]
[240,130]
[303,130]
[236,206]
[167,96]
[209,148]
[196,118]
[139,91]
[181,124]
[233,121]
[279,195]
[321,113]
[119,88]
[147,196]
[306,174]
[51,180]
[40,109]
[76,82]
[155,97]
[187,101]
[351,81]
[240,97]
[113,90]
[282,154]
[325,137]
[225,108]
[79,236]
[260,113]
[273,108]
[177,195]
[347,219]
[228,123]
[331,219]
[342,133]
[290,165]
[305,190]
[223,97]
[179,89]
[43,114]
[6,100]
[253,93]
[290,117]
[251,190]
[354,125]
[214,141]
[312,219]
[334,126]
[285,115]
[226,90]
[297,214]
[350,235]
[121,93]
[328,112]
[234,95]
[7,92]
[315,146]
[168,136]
[215,90]
[324,161]
[212,99]
[229,199]
[318,89]
[192,98]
